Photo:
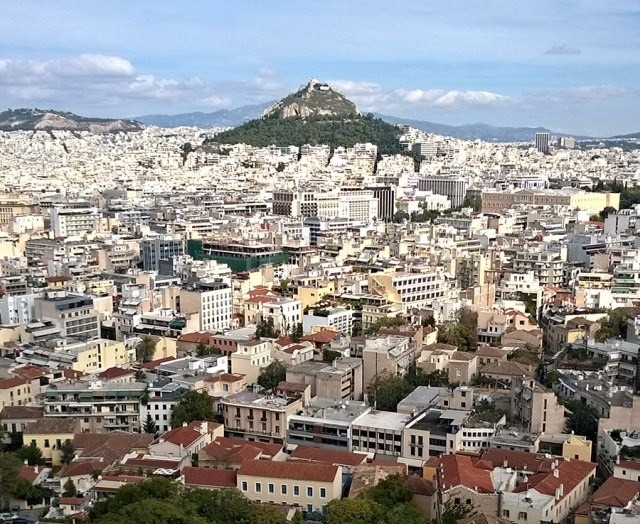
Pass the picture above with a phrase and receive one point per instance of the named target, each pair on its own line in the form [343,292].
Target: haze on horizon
[571,66]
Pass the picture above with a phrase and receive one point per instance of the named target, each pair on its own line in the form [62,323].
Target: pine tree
[149,425]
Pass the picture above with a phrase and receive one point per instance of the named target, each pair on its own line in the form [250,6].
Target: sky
[571,66]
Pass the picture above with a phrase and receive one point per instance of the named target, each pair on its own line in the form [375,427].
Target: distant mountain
[629,136]
[315,114]
[49,120]
[484,132]
[221,118]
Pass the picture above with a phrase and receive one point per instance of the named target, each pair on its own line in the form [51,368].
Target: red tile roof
[29,473]
[153,462]
[289,470]
[290,350]
[29,372]
[110,446]
[155,363]
[570,474]
[616,492]
[196,337]
[629,464]
[209,477]
[234,451]
[327,456]
[115,372]
[71,501]
[183,436]
[459,470]
[519,460]
[78,468]
[12,382]
[321,337]
[421,486]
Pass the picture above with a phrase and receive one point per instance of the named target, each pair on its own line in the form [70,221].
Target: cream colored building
[387,353]
[49,435]
[15,391]
[94,355]
[573,198]
[252,416]
[250,357]
[308,486]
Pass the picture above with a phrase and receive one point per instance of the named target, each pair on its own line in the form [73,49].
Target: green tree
[140,376]
[32,495]
[224,506]
[463,332]
[386,390]
[266,329]
[386,322]
[31,454]
[145,349]
[193,406]
[68,451]
[149,425]
[400,216]
[69,489]
[297,332]
[391,491]
[474,202]
[10,466]
[266,514]
[203,350]
[272,375]
[606,212]
[354,511]
[583,420]
[453,513]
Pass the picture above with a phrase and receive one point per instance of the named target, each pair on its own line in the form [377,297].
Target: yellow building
[309,486]
[565,445]
[95,355]
[573,198]
[48,434]
[15,391]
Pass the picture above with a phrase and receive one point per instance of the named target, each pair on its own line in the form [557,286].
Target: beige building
[308,486]
[565,445]
[49,435]
[387,353]
[536,407]
[462,367]
[94,356]
[591,202]
[15,392]
[251,416]
[250,357]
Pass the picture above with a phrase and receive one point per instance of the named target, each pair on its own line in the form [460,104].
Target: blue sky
[572,66]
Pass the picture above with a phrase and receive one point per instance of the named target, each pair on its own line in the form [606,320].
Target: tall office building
[161,247]
[542,142]
[453,187]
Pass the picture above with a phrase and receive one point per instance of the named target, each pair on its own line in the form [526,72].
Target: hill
[48,120]
[221,118]
[626,137]
[315,114]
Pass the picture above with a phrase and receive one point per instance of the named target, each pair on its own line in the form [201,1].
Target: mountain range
[50,120]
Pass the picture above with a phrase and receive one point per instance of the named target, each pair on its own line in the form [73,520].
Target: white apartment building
[454,187]
[285,312]
[74,221]
[250,357]
[339,319]
[212,301]
[17,309]
[409,289]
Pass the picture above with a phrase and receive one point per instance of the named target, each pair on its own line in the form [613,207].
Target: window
[244,486]
[46,443]
[309,492]
[522,515]
[469,501]
[505,513]
[271,488]
[283,489]
[296,491]
[258,487]
[309,508]
[323,493]
[457,501]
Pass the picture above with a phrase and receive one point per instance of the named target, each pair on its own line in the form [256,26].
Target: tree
[266,329]
[272,375]
[193,406]
[140,376]
[463,332]
[328,355]
[266,514]
[68,452]
[474,202]
[400,216]
[386,322]
[391,491]
[69,489]
[10,466]
[453,513]
[386,390]
[583,420]
[222,506]
[145,349]
[149,425]
[354,511]
[297,332]
[606,212]
[31,454]
[203,350]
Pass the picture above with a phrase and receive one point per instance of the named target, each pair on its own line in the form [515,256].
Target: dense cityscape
[305,311]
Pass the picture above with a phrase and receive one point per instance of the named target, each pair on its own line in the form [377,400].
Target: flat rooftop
[387,420]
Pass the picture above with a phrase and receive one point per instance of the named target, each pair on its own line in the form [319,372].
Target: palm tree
[146,348]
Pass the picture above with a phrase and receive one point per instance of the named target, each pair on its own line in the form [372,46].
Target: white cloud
[443,98]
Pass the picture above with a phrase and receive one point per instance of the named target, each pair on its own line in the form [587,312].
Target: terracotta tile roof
[260,299]
[488,351]
[629,464]
[290,350]
[50,426]
[21,412]
[226,377]
[196,337]
[421,486]
[183,436]
[29,473]
[289,470]
[439,346]
[284,341]
[463,356]
[153,462]
[110,446]
[507,367]
[155,363]
[459,470]
[12,382]
[518,460]
[321,337]
[115,372]
[616,492]
[29,372]
[234,451]
[78,468]
[209,477]
[327,456]
[570,474]
[71,501]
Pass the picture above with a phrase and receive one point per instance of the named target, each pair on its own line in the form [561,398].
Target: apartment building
[160,247]
[77,220]
[535,406]
[163,395]
[74,314]
[337,318]
[49,435]
[308,486]
[100,408]
[250,357]
[409,290]
[379,432]
[252,416]
[325,423]
[387,353]
[211,301]
[453,187]
[286,313]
